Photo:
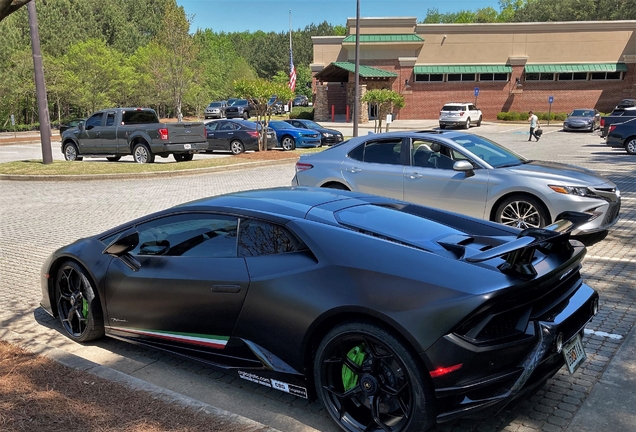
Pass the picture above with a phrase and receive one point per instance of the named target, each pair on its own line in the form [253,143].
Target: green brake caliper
[350,378]
[84,308]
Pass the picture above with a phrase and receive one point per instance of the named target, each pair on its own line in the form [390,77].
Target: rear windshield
[453,108]
[139,117]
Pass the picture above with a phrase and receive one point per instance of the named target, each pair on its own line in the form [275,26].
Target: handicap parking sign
[550,99]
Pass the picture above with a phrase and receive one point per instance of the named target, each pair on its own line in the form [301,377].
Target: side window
[94,120]
[110,120]
[192,234]
[298,124]
[212,126]
[421,154]
[383,152]
[441,156]
[258,238]
[357,153]
[226,126]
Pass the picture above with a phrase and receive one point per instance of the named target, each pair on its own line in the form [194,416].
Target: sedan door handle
[354,170]
[414,176]
[232,289]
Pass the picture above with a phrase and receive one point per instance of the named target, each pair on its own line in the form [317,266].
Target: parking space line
[602,258]
[603,334]
[510,130]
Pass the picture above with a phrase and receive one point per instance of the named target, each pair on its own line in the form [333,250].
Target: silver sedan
[463,173]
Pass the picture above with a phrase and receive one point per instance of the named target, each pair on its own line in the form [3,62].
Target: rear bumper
[498,375]
[184,148]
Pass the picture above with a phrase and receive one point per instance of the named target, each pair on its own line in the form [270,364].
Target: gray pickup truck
[113,133]
[624,111]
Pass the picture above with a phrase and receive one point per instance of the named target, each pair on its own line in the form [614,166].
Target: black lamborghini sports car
[394,315]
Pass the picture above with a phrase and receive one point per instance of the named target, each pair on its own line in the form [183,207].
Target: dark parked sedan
[582,119]
[327,136]
[395,316]
[71,124]
[623,135]
[236,136]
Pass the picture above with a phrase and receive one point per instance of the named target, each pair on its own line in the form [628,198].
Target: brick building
[515,66]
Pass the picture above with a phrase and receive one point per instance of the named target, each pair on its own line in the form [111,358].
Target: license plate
[574,354]
[187,146]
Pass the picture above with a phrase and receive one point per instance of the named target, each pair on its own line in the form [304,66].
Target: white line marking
[510,130]
[602,258]
[603,334]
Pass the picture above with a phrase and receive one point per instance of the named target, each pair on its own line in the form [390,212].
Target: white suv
[459,114]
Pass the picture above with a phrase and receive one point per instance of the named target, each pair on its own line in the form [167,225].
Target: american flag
[292,72]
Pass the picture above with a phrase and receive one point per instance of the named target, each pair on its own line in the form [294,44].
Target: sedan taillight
[253,134]
[303,166]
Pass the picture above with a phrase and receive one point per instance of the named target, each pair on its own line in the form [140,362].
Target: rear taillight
[612,127]
[303,166]
[602,122]
[253,134]
[163,134]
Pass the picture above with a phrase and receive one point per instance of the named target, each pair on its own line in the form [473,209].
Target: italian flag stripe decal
[191,338]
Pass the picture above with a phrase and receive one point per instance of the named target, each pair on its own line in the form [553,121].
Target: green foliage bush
[20,128]
[303,113]
[523,116]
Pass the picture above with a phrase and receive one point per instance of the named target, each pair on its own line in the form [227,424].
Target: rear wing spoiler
[554,238]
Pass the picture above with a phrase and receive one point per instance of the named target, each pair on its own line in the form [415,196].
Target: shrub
[20,128]
[303,113]
[523,116]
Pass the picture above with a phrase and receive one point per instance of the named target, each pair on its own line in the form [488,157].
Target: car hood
[569,175]
[579,119]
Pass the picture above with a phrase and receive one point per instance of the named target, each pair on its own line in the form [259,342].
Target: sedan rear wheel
[522,212]
[237,147]
[77,306]
[288,143]
[630,145]
[369,381]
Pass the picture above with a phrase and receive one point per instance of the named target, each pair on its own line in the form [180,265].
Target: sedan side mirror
[464,166]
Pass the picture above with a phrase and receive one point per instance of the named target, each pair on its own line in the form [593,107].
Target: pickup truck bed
[619,115]
[113,133]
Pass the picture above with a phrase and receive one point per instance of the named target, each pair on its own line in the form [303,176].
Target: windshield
[216,104]
[239,102]
[312,125]
[278,124]
[582,113]
[489,151]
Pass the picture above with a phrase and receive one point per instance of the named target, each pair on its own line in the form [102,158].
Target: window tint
[110,120]
[139,117]
[258,238]
[383,152]
[194,234]
[212,126]
[94,120]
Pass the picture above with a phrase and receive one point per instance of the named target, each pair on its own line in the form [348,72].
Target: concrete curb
[145,175]
[75,362]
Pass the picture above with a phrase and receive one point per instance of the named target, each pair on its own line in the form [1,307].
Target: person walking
[534,124]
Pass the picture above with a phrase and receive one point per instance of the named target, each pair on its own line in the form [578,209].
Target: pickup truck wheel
[70,153]
[113,158]
[142,154]
[288,143]
[630,145]
[183,157]
[188,157]
[237,147]
[246,115]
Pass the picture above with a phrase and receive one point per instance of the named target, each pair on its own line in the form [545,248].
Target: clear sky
[273,15]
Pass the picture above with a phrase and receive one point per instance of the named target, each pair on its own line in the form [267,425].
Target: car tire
[237,147]
[143,154]
[442,126]
[246,115]
[630,145]
[522,211]
[288,143]
[179,157]
[479,121]
[467,125]
[368,379]
[78,307]
[113,158]
[71,153]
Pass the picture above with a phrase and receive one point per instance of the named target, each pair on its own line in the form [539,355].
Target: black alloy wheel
[78,308]
[236,147]
[113,158]
[71,153]
[369,381]
[522,212]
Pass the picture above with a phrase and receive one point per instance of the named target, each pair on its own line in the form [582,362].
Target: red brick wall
[424,100]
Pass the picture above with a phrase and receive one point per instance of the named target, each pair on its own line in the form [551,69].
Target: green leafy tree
[259,91]
[386,101]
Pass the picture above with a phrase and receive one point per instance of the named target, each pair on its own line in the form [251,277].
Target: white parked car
[459,114]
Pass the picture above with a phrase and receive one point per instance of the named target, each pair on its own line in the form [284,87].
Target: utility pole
[356,97]
[40,88]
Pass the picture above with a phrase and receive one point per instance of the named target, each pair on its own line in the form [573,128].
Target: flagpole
[290,51]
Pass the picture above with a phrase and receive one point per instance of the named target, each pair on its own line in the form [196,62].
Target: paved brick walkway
[38,217]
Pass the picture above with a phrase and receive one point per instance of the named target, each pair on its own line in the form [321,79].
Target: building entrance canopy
[339,72]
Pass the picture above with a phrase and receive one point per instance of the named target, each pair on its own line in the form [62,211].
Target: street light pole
[356,97]
[40,88]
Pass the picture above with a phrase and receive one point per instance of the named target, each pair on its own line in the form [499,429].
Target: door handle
[414,176]
[232,289]
[354,169]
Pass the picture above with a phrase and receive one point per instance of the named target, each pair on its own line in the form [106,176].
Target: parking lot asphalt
[38,217]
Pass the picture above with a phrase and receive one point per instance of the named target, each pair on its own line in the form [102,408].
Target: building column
[321,104]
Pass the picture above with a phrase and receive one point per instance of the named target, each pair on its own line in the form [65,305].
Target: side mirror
[123,244]
[80,126]
[464,166]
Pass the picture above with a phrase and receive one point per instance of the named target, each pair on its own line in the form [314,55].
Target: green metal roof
[452,69]
[365,71]
[378,38]
[581,67]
